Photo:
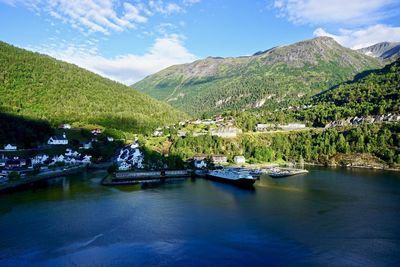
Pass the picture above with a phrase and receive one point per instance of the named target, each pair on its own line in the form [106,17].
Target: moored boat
[241,178]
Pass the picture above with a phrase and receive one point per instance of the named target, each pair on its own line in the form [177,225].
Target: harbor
[239,176]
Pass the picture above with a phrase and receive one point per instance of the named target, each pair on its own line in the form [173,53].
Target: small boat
[237,177]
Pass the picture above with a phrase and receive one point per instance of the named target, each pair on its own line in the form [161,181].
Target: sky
[126,40]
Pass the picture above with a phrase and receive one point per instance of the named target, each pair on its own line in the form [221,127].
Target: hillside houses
[262,127]
[58,140]
[226,131]
[130,157]
[64,126]
[239,159]
[218,159]
[10,147]
[96,131]
[388,118]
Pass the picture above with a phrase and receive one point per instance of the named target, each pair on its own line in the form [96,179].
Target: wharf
[138,177]
[285,172]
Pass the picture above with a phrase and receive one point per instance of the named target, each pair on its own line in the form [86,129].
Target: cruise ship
[241,178]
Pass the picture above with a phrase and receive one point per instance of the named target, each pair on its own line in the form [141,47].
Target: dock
[285,172]
[140,177]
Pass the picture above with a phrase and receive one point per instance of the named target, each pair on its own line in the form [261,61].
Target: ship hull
[239,182]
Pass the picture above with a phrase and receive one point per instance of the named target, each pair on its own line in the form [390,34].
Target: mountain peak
[383,50]
[267,79]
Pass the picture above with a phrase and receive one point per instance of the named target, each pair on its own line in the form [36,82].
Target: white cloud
[164,8]
[363,37]
[190,2]
[104,16]
[350,12]
[129,68]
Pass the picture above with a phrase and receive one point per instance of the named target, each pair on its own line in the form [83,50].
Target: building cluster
[24,165]
[130,157]
[202,161]
[220,126]
[364,120]
[262,127]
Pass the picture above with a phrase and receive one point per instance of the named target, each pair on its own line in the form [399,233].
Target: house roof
[58,138]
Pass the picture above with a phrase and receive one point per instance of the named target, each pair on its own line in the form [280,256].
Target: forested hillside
[269,80]
[371,93]
[40,87]
[322,147]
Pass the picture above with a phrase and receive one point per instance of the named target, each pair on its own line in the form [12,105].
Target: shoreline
[382,168]
[26,181]
[367,167]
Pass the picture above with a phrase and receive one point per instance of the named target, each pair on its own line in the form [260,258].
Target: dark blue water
[326,218]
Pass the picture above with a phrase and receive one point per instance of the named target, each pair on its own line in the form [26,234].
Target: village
[221,127]
[56,157]
[16,165]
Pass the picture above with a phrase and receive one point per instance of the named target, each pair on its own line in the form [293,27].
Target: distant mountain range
[269,79]
[40,87]
[384,50]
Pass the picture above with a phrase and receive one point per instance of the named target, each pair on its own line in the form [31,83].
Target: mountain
[374,92]
[268,79]
[40,87]
[384,50]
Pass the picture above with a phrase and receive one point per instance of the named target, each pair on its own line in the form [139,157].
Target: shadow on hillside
[24,132]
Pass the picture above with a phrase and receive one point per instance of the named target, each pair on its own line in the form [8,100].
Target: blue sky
[127,40]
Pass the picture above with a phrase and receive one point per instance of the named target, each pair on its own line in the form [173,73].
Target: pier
[138,177]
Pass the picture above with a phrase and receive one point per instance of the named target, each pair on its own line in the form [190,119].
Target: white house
[39,159]
[87,145]
[219,159]
[58,158]
[260,127]
[70,153]
[64,126]
[200,164]
[124,166]
[157,133]
[239,159]
[226,131]
[96,131]
[58,140]
[3,162]
[293,126]
[10,147]
[87,159]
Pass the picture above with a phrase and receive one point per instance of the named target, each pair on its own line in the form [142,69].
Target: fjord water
[329,217]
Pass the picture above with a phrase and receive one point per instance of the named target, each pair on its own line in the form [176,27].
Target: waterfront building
[58,140]
[10,147]
[239,159]
[218,159]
